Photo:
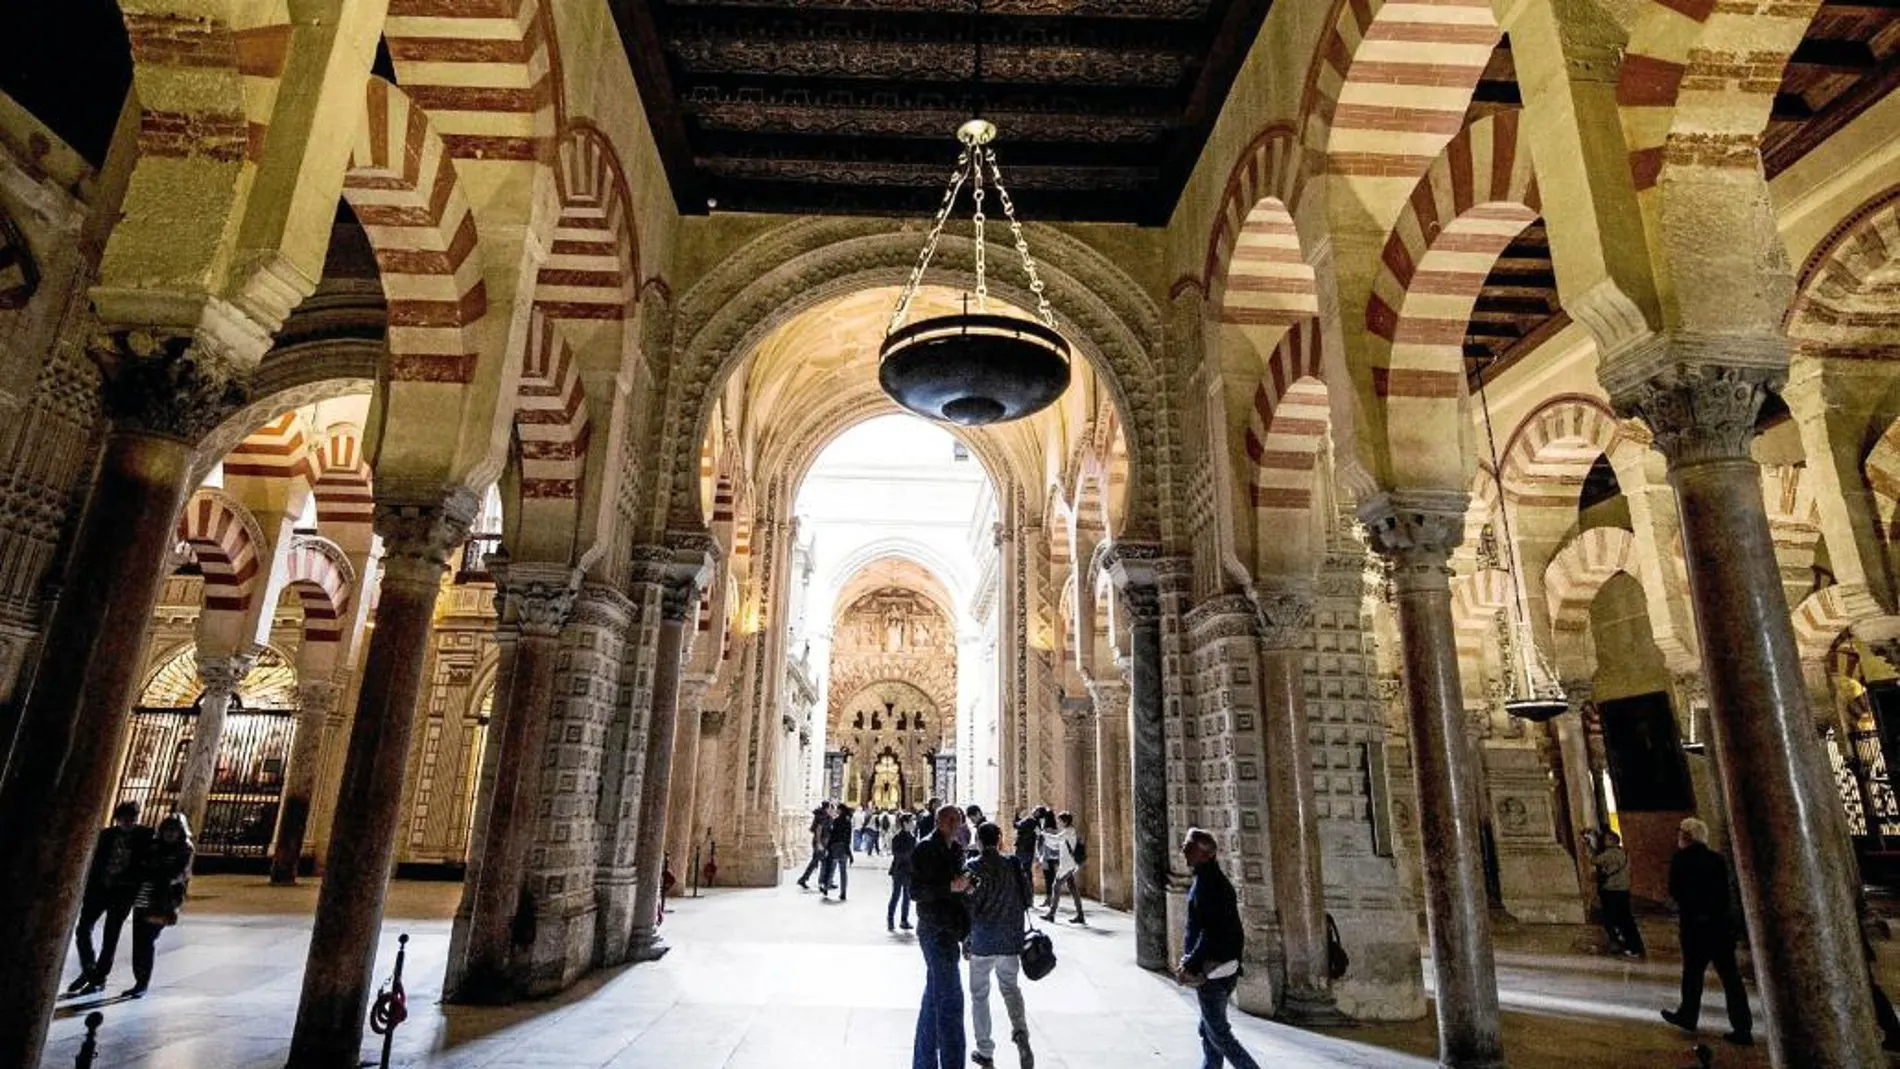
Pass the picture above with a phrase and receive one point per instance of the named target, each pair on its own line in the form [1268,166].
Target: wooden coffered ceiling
[851,106]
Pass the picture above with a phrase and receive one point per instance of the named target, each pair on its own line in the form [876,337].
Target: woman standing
[1062,844]
[164,872]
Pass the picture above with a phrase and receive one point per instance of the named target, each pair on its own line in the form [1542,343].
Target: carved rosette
[1416,531]
[179,385]
[537,599]
[1698,395]
[1284,613]
[418,538]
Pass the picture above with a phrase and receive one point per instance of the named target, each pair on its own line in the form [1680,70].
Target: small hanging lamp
[974,367]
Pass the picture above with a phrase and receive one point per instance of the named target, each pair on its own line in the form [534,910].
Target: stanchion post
[89,1050]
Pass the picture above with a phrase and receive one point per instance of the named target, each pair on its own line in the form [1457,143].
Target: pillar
[1417,531]
[1299,893]
[220,676]
[1133,569]
[1109,851]
[683,800]
[417,540]
[162,392]
[316,702]
[535,601]
[1570,737]
[1078,763]
[682,580]
[1700,396]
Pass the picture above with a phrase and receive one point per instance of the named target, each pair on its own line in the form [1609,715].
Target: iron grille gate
[241,812]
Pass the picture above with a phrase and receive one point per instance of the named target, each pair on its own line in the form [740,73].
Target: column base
[563,949]
[1311,1008]
[613,905]
[755,862]
[483,989]
[646,945]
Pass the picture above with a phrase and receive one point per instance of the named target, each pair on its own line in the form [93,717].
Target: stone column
[221,676]
[683,798]
[417,540]
[1078,762]
[1700,395]
[1109,852]
[1416,531]
[535,601]
[162,393]
[1299,893]
[1571,738]
[1133,569]
[316,702]
[683,580]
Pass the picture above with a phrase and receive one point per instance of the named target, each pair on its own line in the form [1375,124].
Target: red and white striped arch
[1482,509]
[1476,600]
[1255,270]
[277,450]
[550,415]
[1549,455]
[1475,198]
[487,71]
[593,266]
[1823,616]
[208,77]
[1391,83]
[1286,427]
[1850,285]
[1882,468]
[403,188]
[1577,573]
[227,542]
[346,503]
[319,573]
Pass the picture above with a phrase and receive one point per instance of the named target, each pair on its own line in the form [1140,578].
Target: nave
[775,977]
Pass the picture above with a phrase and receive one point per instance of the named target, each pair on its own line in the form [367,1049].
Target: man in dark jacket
[998,899]
[1698,881]
[1029,839]
[938,884]
[902,844]
[111,882]
[820,836]
[1215,940]
[837,854]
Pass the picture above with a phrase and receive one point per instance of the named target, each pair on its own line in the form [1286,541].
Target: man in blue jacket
[1215,940]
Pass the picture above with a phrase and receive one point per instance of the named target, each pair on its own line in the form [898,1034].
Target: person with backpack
[999,896]
[1066,846]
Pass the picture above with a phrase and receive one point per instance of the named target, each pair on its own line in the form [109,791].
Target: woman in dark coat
[163,872]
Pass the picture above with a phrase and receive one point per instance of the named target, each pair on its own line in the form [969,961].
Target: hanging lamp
[974,367]
[1528,701]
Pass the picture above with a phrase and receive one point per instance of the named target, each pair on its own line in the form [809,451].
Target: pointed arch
[1254,270]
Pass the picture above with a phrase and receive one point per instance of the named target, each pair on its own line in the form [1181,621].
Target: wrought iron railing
[246,790]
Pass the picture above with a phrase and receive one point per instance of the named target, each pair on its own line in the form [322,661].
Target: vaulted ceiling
[851,106]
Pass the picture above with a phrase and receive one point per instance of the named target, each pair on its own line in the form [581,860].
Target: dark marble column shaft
[1700,397]
[1135,576]
[535,601]
[417,541]
[1417,531]
[316,700]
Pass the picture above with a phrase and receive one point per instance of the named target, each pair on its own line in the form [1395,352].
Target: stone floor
[780,978]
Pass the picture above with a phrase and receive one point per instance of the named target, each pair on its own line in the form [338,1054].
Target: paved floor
[780,978]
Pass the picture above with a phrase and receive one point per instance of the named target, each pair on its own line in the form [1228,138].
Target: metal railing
[246,789]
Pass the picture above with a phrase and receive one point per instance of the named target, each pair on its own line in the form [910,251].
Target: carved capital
[221,675]
[1284,609]
[1110,696]
[1132,568]
[177,384]
[535,598]
[1078,718]
[1416,531]
[599,605]
[419,537]
[712,721]
[1698,394]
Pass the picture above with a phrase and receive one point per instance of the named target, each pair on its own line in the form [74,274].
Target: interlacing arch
[1848,293]
[1391,82]
[320,575]
[403,188]
[1254,271]
[487,71]
[1550,454]
[226,541]
[1577,573]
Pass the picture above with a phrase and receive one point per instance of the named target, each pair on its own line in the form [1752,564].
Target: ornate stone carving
[534,597]
[1285,613]
[419,537]
[1132,566]
[173,384]
[1416,530]
[221,675]
[1699,395]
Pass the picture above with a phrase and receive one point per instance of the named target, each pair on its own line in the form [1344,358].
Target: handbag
[1039,953]
[1337,960]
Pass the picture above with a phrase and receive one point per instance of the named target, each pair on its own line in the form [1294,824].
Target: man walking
[938,884]
[999,896]
[837,855]
[112,882]
[1698,881]
[1215,940]
[902,845]
[820,836]
[1613,890]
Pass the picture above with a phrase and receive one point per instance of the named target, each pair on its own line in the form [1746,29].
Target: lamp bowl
[973,369]
[1536,710]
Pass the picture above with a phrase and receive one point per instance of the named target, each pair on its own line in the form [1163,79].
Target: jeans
[939,1043]
[817,857]
[1008,968]
[99,966]
[1055,895]
[1620,922]
[144,946]
[839,861]
[1048,884]
[1218,1043]
[1699,951]
[900,890]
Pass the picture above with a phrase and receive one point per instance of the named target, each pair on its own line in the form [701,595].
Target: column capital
[318,696]
[174,382]
[1699,394]
[1078,716]
[1416,530]
[1133,568]
[223,673]
[600,605]
[1284,611]
[682,567]
[418,537]
[534,597]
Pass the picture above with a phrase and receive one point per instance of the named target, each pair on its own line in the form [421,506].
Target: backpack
[1039,954]
[1080,851]
[1337,960]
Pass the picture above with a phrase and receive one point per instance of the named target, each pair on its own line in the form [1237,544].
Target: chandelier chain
[1022,244]
[976,221]
[902,311]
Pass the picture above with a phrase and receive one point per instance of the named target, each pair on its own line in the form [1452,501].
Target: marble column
[535,601]
[1700,396]
[316,702]
[1133,570]
[1570,737]
[418,538]
[162,392]
[683,798]
[1416,531]
[1299,891]
[1078,754]
[220,675]
[682,581]
[1109,852]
